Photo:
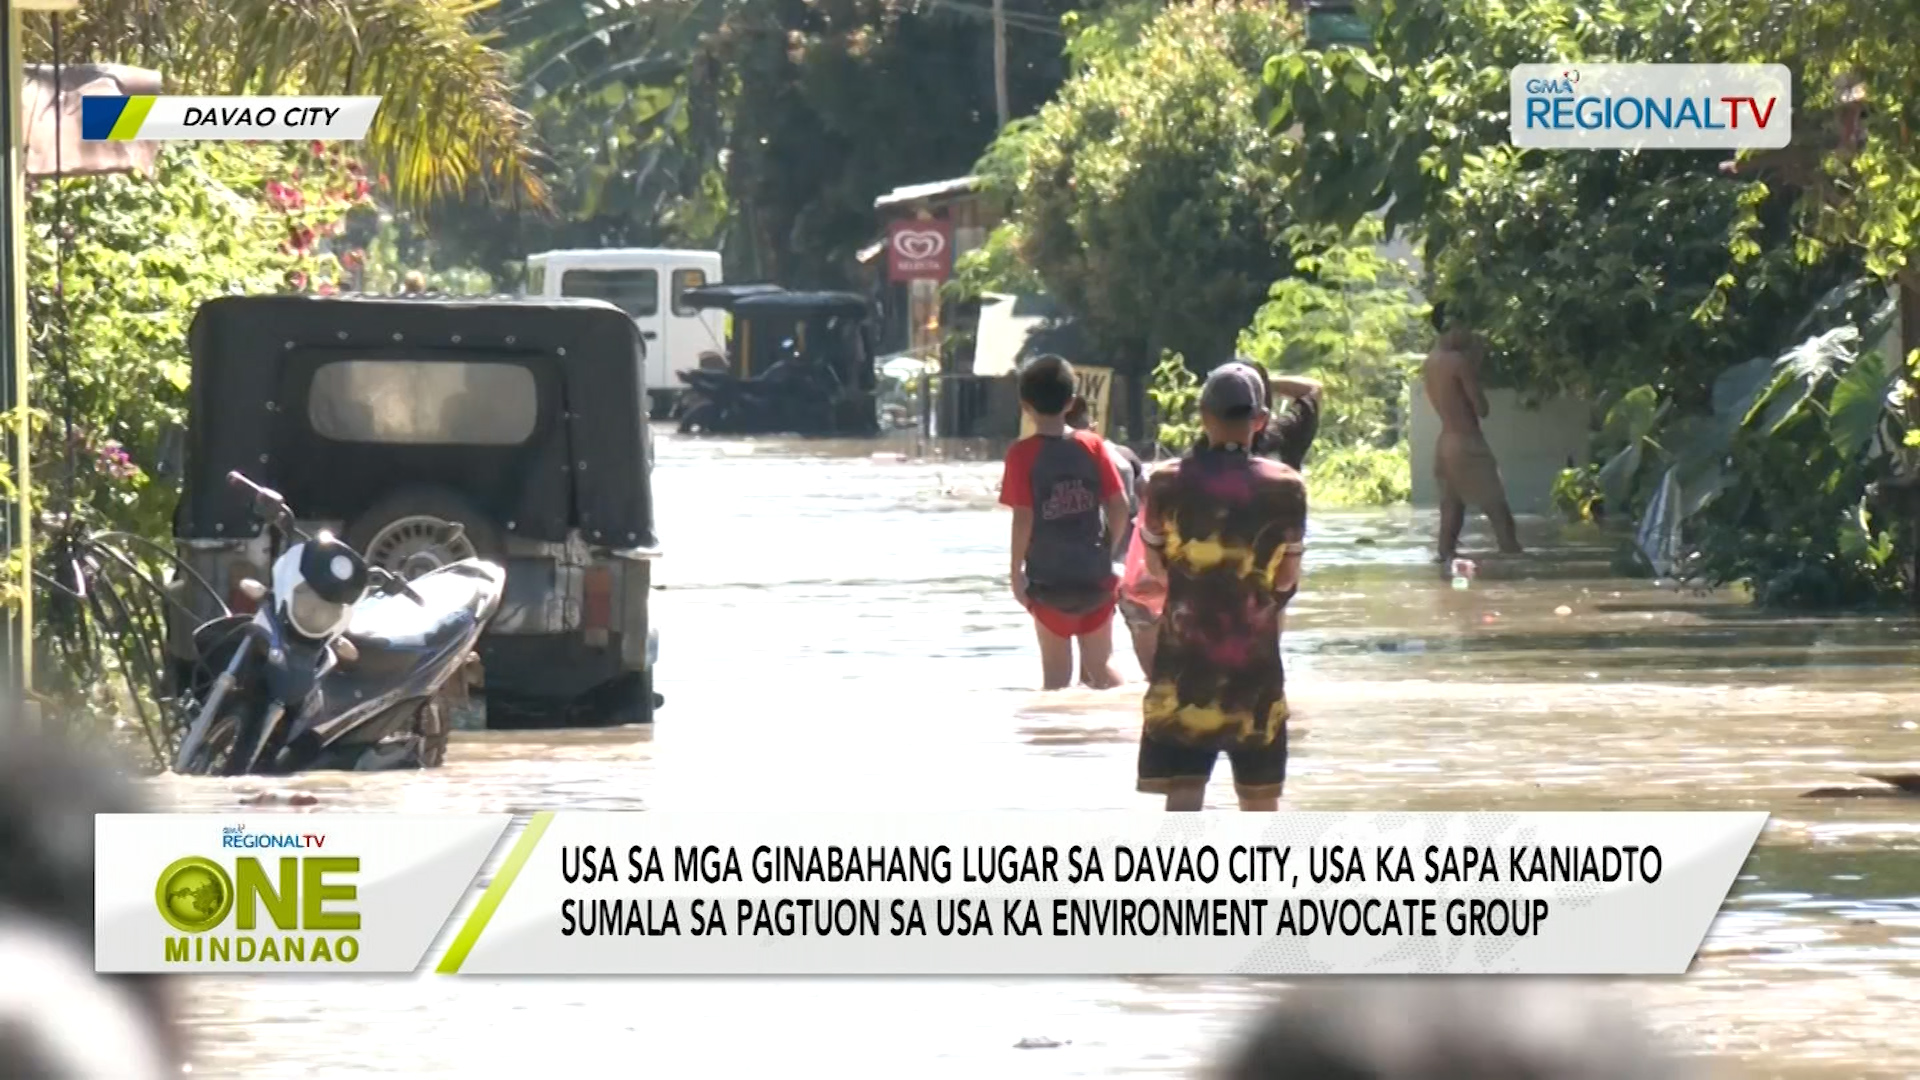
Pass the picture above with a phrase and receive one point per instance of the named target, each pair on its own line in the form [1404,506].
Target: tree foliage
[628,167]
[1348,316]
[627,105]
[834,103]
[448,124]
[1589,272]
[1774,482]
[1854,165]
[1144,196]
[109,361]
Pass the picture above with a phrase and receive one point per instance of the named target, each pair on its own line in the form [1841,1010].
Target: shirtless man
[1463,463]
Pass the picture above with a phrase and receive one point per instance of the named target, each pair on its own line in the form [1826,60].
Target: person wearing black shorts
[1225,528]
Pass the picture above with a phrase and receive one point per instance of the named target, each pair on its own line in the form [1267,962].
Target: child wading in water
[1069,517]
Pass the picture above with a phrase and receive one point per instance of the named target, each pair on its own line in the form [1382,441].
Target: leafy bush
[1773,484]
[1349,317]
[1143,197]
[1360,475]
[1576,493]
[109,355]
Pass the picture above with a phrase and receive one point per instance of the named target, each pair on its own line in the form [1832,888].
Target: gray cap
[1233,389]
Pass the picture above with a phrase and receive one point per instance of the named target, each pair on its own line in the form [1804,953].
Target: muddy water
[836,635]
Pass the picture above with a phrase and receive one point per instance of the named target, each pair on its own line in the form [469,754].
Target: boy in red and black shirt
[1069,516]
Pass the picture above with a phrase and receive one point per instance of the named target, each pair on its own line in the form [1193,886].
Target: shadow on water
[836,635]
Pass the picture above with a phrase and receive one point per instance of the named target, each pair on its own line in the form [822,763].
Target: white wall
[1532,445]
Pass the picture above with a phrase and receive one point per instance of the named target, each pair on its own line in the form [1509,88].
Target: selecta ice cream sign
[919,249]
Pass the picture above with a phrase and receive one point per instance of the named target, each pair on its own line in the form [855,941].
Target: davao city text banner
[263,119]
[1043,893]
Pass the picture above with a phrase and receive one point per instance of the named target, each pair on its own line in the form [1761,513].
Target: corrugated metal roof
[1014,329]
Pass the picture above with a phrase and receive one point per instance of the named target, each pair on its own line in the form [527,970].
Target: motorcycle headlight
[312,617]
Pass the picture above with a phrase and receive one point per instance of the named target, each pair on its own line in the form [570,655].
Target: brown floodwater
[836,635]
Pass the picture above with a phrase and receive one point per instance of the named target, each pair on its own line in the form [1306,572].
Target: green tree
[833,103]
[1854,165]
[1144,198]
[1589,273]
[629,166]
[447,123]
[629,107]
[1349,316]
[117,267]
[1644,281]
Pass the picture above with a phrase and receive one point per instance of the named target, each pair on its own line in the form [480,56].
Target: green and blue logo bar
[115,119]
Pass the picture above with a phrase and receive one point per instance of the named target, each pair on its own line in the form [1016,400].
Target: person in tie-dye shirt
[1226,530]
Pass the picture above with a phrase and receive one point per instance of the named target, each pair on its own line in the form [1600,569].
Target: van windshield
[636,292]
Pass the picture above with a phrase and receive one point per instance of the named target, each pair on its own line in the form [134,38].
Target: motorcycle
[791,396]
[343,665]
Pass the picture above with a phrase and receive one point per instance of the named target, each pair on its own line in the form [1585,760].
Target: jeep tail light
[596,604]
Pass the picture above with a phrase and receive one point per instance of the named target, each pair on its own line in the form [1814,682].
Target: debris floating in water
[280,798]
[1563,610]
[1463,572]
[1038,1043]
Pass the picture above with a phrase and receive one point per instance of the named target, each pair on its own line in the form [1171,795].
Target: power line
[1031,23]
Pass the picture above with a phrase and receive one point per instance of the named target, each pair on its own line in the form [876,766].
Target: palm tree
[583,45]
[448,123]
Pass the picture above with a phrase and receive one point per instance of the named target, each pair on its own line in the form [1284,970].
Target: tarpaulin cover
[585,467]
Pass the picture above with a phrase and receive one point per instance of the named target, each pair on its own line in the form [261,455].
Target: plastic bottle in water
[1463,571]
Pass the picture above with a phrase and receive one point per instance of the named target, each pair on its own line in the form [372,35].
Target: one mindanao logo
[297,912]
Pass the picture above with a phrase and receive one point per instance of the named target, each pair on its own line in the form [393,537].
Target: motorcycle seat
[394,631]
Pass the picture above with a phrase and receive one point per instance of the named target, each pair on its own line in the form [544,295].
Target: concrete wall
[1532,445]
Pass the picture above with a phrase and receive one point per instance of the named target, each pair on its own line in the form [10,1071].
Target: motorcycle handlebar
[268,504]
[390,582]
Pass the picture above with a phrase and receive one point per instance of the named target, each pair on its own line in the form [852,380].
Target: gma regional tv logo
[112,118]
[265,908]
[1650,106]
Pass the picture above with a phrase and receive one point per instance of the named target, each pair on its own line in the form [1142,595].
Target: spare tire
[410,532]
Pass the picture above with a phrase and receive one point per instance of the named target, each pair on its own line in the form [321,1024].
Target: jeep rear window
[424,402]
[636,292]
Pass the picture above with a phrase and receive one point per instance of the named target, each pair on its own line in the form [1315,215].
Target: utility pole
[1000,60]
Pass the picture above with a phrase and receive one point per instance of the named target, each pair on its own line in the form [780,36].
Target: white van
[646,283]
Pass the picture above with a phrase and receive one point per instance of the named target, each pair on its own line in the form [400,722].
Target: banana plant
[1839,380]
[584,45]
[624,93]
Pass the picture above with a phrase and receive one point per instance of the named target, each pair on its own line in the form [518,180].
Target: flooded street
[836,634]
